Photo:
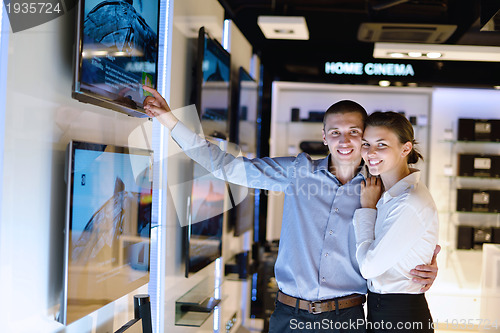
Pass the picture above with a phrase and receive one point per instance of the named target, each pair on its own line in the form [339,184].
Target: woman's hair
[345,106]
[399,125]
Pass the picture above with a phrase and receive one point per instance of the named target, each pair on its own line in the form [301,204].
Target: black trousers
[287,319]
[398,313]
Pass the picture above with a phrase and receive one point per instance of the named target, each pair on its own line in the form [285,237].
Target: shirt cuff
[364,224]
[185,137]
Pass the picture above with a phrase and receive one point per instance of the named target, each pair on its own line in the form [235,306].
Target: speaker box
[474,165]
[465,239]
[466,129]
[495,235]
[464,200]
[495,130]
[295,114]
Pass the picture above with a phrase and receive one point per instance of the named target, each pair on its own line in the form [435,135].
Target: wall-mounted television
[211,87]
[244,128]
[116,53]
[108,225]
[203,234]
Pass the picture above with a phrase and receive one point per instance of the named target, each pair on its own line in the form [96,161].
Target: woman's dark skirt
[398,313]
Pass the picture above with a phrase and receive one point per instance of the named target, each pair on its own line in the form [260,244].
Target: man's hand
[157,107]
[426,274]
[371,190]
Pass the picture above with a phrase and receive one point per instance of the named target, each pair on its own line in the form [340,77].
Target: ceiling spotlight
[496,87]
[415,54]
[384,83]
[434,55]
[284,27]
[438,51]
[396,55]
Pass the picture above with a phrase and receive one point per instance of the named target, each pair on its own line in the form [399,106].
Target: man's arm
[426,274]
[264,173]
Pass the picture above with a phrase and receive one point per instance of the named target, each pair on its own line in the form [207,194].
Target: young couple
[334,242]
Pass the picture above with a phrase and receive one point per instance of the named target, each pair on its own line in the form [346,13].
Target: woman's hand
[371,190]
[157,107]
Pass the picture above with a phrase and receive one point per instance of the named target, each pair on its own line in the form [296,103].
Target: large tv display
[108,225]
[203,234]
[246,99]
[116,53]
[212,68]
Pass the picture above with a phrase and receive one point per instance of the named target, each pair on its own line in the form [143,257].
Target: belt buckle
[312,308]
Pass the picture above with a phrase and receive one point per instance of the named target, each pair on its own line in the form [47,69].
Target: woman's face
[382,151]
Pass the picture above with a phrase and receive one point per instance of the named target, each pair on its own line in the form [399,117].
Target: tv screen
[108,223]
[212,86]
[203,233]
[242,216]
[116,53]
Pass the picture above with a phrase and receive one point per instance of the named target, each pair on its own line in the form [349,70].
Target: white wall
[40,119]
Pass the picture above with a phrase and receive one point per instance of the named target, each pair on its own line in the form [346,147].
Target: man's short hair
[345,106]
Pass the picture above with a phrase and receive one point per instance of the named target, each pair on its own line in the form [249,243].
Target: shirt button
[336,210]
[326,254]
[323,279]
[331,232]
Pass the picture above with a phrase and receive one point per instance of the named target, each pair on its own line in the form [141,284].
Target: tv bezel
[94,95]
[69,179]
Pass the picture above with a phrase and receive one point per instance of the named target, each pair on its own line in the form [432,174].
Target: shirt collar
[397,189]
[322,165]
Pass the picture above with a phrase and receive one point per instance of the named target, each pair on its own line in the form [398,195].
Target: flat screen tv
[116,53]
[212,79]
[108,225]
[203,234]
[245,130]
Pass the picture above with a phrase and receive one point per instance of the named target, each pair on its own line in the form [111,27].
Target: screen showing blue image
[107,227]
[215,69]
[118,51]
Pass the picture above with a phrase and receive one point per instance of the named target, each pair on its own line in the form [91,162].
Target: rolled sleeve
[364,225]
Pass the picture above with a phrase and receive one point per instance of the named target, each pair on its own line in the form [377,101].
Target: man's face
[343,133]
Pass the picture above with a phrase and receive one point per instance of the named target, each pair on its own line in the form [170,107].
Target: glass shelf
[467,142]
[196,306]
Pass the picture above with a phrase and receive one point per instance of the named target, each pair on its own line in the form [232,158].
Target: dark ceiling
[333,28]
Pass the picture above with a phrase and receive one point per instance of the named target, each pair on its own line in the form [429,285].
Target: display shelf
[196,306]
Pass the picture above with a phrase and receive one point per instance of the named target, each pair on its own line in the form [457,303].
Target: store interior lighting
[416,51]
[284,27]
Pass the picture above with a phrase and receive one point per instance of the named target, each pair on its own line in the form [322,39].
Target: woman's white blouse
[397,236]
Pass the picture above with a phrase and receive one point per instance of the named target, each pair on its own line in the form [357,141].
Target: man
[320,286]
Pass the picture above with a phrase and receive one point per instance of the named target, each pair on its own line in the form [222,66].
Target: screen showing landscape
[108,224]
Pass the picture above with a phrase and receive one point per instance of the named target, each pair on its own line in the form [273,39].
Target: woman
[395,231]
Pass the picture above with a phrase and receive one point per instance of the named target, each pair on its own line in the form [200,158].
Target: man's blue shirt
[317,249]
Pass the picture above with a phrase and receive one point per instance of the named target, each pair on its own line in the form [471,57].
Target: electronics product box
[479,129]
[474,237]
[475,200]
[476,165]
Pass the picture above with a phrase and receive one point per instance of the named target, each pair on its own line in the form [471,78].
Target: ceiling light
[415,54]
[284,27]
[434,55]
[384,83]
[496,87]
[447,52]
[397,55]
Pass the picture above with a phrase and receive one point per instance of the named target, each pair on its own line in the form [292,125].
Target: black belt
[317,307]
